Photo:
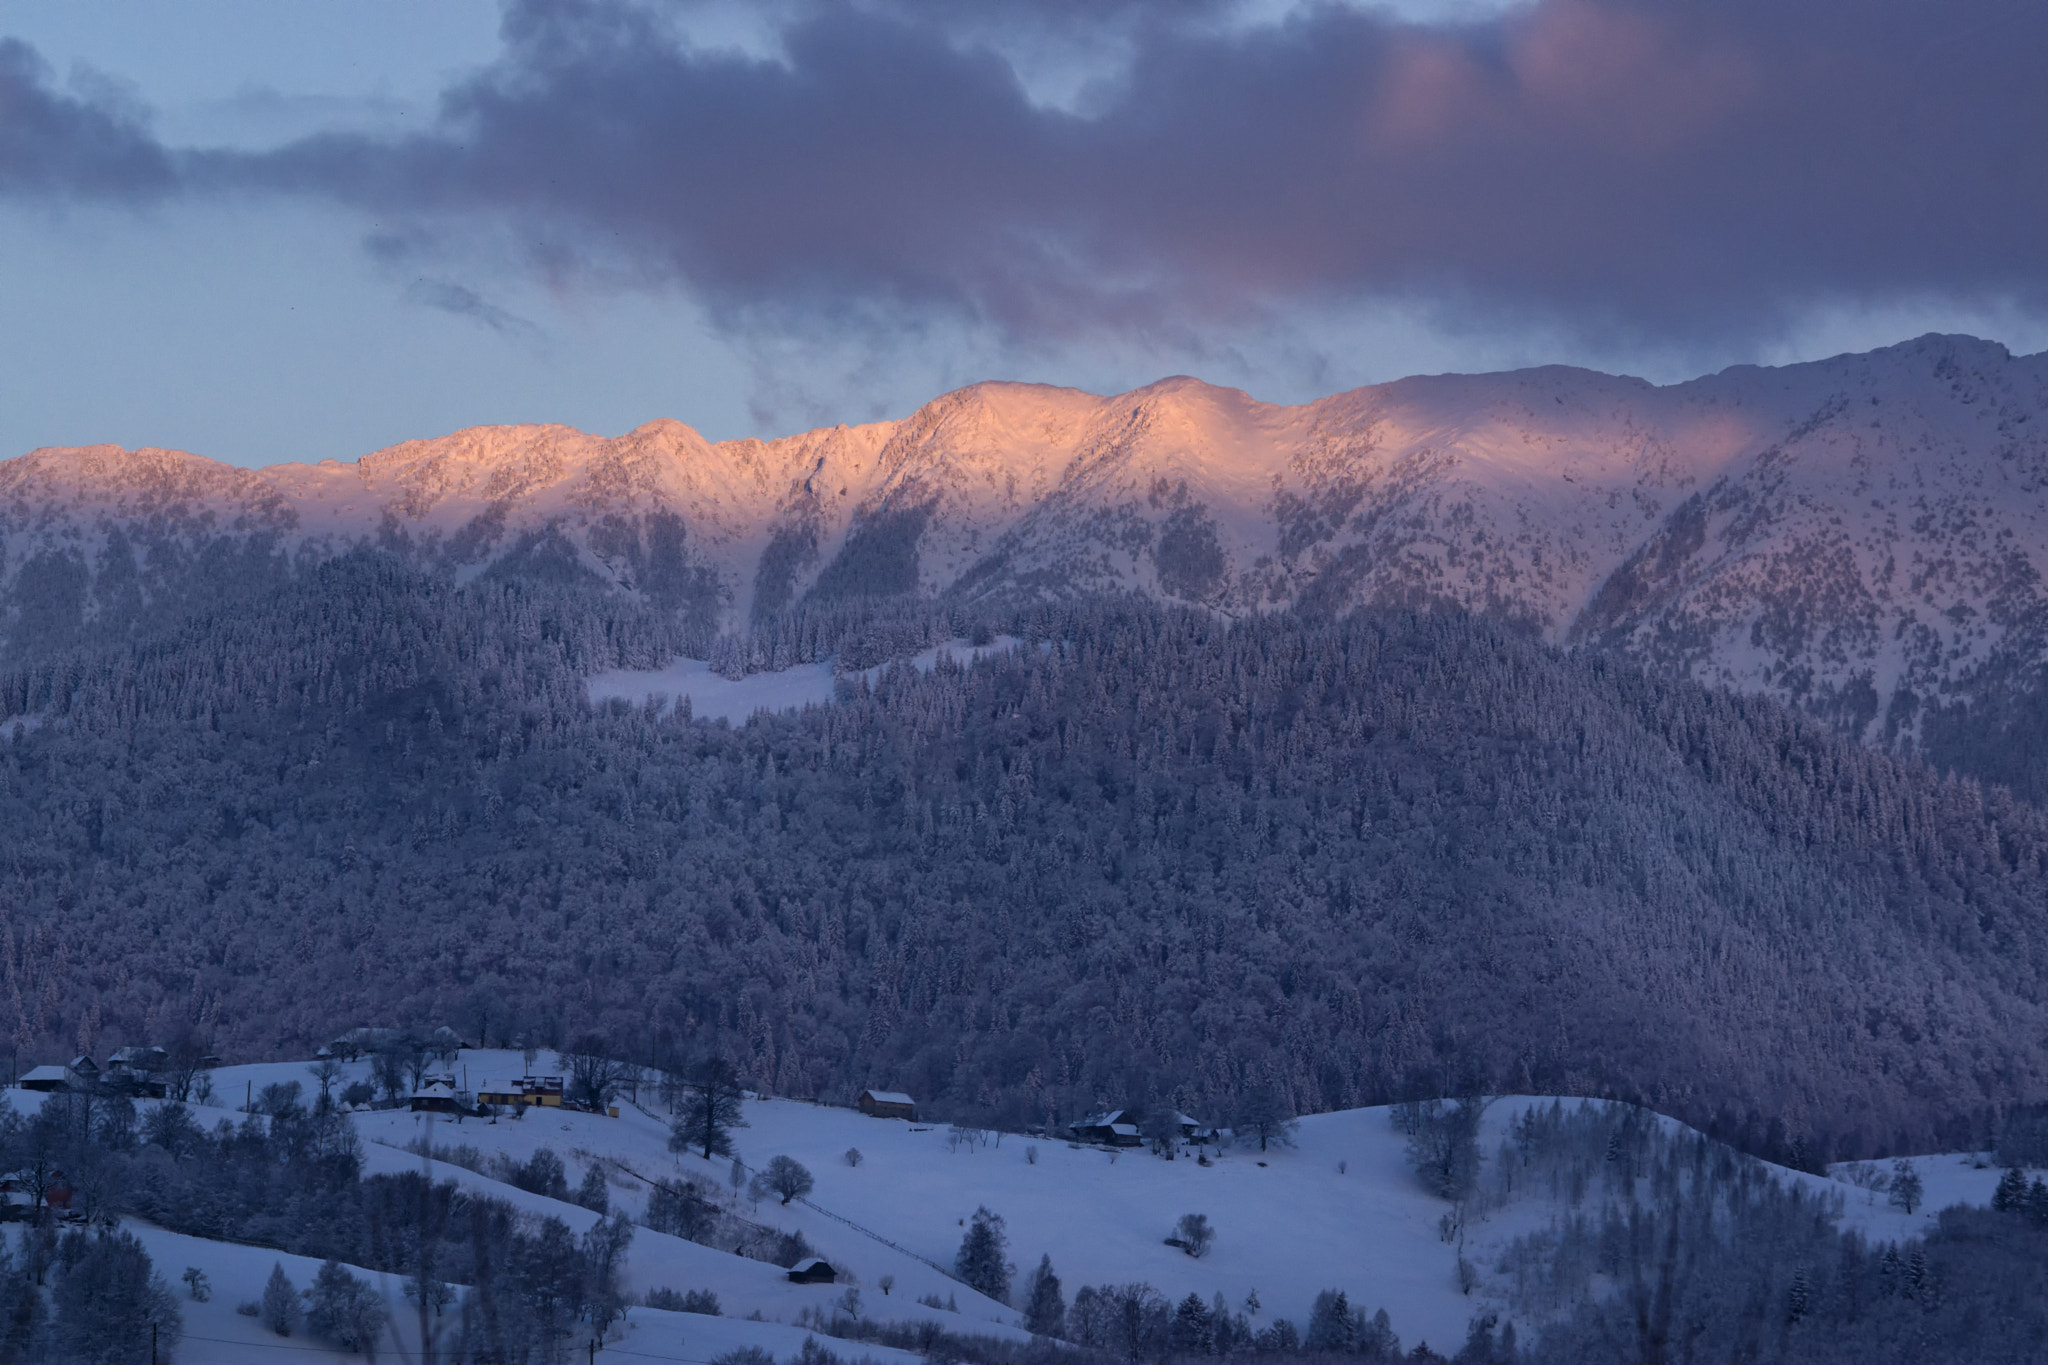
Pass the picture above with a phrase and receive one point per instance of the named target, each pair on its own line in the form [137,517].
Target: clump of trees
[479,1275]
[1443,1144]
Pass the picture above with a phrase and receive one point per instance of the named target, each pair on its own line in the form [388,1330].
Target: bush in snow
[853,1156]
[196,1284]
[1194,1234]
[701,1301]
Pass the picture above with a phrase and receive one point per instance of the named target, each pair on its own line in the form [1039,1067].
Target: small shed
[813,1270]
[46,1078]
[887,1104]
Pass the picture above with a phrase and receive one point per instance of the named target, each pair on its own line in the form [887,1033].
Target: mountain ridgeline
[1148,854]
[1862,537]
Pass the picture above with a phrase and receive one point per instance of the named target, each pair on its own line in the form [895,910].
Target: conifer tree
[280,1311]
[1045,1307]
[983,1260]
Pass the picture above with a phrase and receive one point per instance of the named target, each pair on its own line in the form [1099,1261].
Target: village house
[887,1104]
[1111,1128]
[141,1059]
[542,1091]
[437,1096]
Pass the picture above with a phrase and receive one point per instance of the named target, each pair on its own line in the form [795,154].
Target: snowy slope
[713,696]
[1856,534]
[1340,1209]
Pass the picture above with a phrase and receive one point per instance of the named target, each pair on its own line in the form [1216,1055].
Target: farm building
[1112,1128]
[887,1104]
[46,1078]
[813,1270]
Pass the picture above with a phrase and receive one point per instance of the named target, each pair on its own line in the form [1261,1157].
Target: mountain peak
[1850,534]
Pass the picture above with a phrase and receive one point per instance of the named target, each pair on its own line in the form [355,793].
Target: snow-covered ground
[715,697]
[1339,1209]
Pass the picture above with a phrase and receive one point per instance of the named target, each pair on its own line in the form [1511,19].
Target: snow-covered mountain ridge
[1857,535]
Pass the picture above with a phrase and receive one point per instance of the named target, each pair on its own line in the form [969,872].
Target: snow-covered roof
[434,1090]
[45,1073]
[888,1097]
[809,1263]
[1124,1129]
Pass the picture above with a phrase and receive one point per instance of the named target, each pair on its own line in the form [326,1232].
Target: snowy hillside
[1339,1207]
[1859,534]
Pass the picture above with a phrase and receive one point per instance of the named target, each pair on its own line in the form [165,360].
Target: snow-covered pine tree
[1045,1307]
[281,1313]
[983,1262]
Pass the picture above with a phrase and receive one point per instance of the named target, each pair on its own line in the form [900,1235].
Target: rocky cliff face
[1863,536]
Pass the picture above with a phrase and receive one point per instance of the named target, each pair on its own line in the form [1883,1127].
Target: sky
[272,231]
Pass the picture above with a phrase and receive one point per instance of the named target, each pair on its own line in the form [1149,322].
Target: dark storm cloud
[66,145]
[1677,166]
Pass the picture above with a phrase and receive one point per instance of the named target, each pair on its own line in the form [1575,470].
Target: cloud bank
[1668,168]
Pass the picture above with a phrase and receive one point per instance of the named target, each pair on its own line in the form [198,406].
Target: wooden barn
[887,1104]
[813,1270]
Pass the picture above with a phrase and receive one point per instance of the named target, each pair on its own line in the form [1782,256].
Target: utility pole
[152,1344]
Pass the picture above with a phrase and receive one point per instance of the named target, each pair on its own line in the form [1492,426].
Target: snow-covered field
[713,696]
[1339,1209]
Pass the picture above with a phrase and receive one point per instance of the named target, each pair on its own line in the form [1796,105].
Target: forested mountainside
[1863,537]
[1148,854]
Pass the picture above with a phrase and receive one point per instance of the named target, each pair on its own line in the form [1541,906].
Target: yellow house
[545,1091]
